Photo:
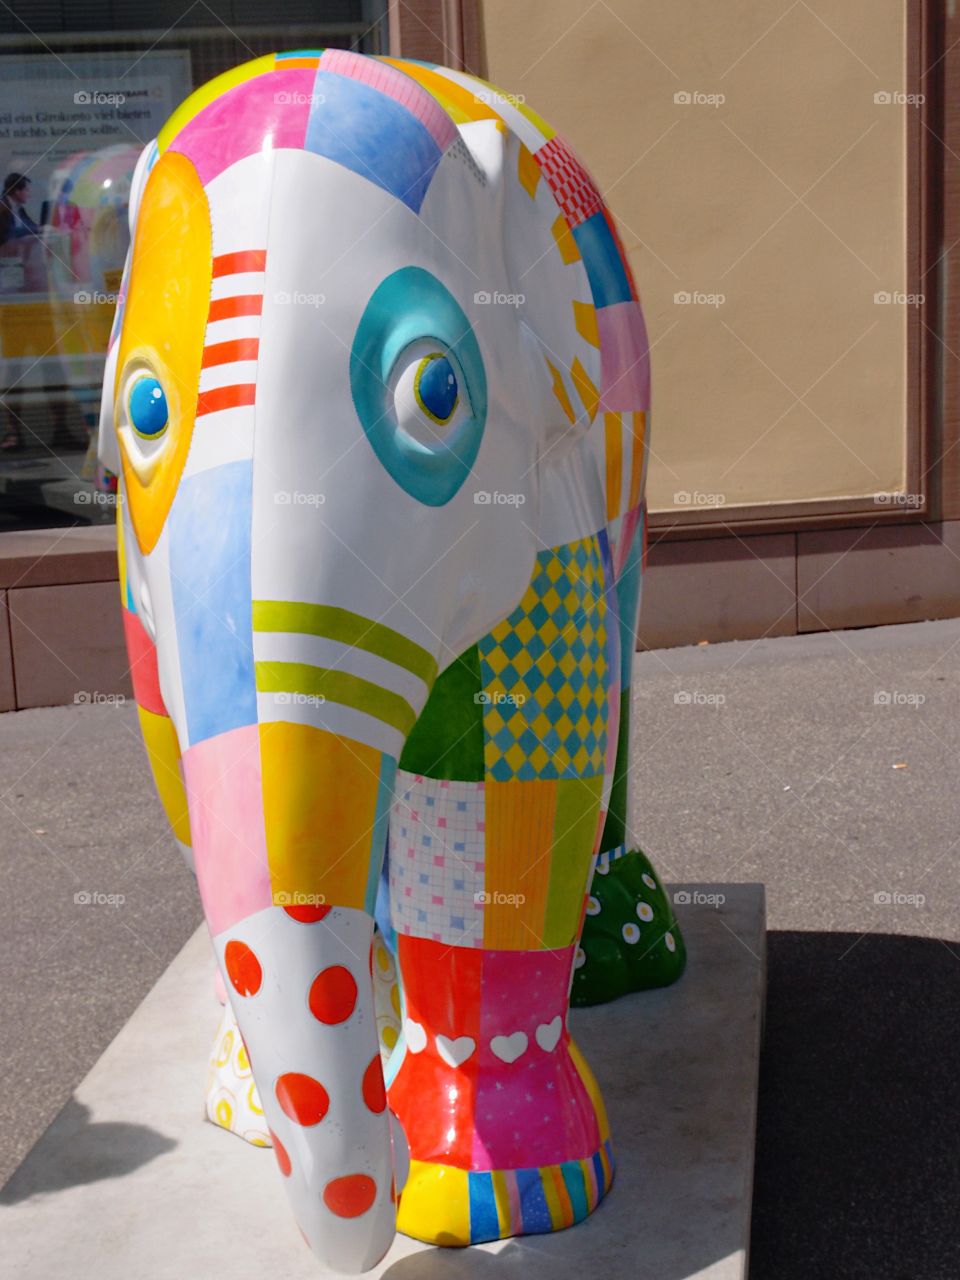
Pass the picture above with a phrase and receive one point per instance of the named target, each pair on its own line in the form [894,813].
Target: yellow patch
[164,322]
[560,391]
[435,1204]
[163,752]
[585,318]
[565,241]
[319,802]
[528,171]
[587,392]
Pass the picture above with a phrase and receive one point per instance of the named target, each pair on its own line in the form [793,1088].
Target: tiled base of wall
[742,588]
[61,639]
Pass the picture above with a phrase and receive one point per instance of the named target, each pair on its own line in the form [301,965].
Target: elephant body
[378,393]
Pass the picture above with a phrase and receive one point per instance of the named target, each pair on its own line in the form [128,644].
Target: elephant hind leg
[630,939]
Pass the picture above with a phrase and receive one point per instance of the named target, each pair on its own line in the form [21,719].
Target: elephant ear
[108,449]
[575,290]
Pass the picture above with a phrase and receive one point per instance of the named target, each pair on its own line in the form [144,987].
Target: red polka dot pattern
[302,1098]
[350,1196]
[243,968]
[307,915]
[333,995]
[280,1151]
[374,1094]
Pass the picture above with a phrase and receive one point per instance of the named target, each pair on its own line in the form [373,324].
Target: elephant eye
[435,387]
[147,407]
[428,405]
[418,384]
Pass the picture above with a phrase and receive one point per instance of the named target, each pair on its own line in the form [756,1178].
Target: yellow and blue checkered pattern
[545,674]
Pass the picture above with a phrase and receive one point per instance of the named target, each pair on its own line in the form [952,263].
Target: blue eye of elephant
[419,385]
[435,387]
[148,407]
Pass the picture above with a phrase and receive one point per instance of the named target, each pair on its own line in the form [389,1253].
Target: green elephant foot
[630,941]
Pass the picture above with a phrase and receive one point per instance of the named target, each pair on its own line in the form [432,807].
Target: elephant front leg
[507,1130]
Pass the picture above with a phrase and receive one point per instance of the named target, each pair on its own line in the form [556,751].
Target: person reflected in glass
[15,221]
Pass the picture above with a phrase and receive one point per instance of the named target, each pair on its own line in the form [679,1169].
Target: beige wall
[788,199]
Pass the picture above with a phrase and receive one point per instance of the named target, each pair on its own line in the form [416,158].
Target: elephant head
[371,313]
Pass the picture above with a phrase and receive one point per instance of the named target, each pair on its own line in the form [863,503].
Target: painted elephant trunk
[286,910]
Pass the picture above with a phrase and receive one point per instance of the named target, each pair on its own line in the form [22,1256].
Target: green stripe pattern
[352,629]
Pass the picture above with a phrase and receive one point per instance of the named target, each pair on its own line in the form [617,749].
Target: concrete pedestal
[128,1181]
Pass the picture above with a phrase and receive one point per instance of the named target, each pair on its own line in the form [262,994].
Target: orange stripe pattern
[228,264]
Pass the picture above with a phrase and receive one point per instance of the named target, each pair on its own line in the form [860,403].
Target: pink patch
[394,84]
[627,530]
[624,358]
[235,125]
[521,991]
[222,777]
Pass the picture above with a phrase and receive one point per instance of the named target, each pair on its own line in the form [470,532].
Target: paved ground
[826,766]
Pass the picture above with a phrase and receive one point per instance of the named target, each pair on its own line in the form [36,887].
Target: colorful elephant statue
[377,394]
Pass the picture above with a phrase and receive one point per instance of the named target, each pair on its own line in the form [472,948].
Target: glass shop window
[84,84]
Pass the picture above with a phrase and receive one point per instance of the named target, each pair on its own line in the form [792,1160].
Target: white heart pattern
[415,1036]
[455,1052]
[509,1048]
[548,1034]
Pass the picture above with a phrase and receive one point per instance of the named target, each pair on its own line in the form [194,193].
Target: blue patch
[388,773]
[601,257]
[598,1173]
[210,580]
[372,135]
[533,1203]
[484,1223]
[576,1188]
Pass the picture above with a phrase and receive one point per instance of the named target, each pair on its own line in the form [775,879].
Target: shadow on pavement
[74,1151]
[858,1153]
